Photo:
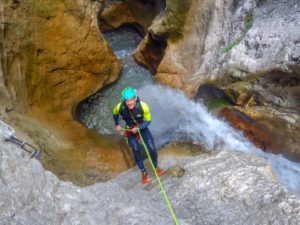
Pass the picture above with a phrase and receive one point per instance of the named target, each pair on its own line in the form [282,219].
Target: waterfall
[175,117]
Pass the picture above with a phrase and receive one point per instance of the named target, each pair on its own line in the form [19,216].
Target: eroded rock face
[230,37]
[258,134]
[280,88]
[223,188]
[55,46]
[54,56]
[170,22]
[81,62]
[250,42]
[272,99]
[136,13]
[150,52]
[283,123]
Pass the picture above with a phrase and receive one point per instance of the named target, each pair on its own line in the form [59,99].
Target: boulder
[136,13]
[255,132]
[223,188]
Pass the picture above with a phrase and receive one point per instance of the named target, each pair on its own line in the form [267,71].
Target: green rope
[158,179]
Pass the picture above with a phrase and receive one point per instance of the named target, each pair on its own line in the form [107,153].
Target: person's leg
[148,139]
[133,143]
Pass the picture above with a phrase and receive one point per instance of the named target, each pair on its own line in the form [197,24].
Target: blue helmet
[128,93]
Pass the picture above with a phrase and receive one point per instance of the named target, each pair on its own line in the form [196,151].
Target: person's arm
[116,116]
[146,116]
[116,119]
[144,125]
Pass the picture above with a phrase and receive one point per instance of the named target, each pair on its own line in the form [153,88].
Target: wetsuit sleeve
[146,116]
[144,125]
[116,112]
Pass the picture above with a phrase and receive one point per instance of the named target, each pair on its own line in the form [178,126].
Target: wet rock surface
[44,65]
[272,99]
[281,121]
[255,132]
[223,188]
[280,88]
[150,52]
[137,13]
[251,43]
[210,96]
[53,56]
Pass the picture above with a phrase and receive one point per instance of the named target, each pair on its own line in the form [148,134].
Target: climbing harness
[157,178]
[34,152]
[128,132]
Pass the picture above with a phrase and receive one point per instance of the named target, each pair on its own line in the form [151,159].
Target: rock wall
[52,57]
[129,12]
[230,37]
[55,46]
[223,188]
[249,46]
[5,100]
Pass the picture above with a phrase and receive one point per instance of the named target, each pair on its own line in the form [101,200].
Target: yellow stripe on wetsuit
[145,107]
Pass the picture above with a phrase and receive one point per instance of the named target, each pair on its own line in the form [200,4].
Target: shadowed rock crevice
[137,13]
[214,97]
[159,21]
[150,53]
[280,88]
[170,22]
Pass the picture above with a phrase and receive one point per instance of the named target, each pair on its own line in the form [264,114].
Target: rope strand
[157,178]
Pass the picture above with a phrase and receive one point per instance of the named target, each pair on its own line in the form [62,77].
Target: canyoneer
[137,117]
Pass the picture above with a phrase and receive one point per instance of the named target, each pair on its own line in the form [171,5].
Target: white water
[174,116]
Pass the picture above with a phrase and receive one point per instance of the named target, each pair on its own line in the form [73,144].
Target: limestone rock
[52,57]
[224,188]
[6,131]
[150,52]
[255,132]
[272,98]
[250,42]
[57,47]
[171,21]
[283,122]
[230,37]
[129,12]
[54,46]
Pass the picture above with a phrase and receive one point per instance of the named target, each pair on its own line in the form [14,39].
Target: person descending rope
[137,117]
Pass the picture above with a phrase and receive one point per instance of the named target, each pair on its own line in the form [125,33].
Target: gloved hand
[134,130]
[118,127]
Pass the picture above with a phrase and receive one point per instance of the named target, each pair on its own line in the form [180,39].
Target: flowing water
[174,117]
